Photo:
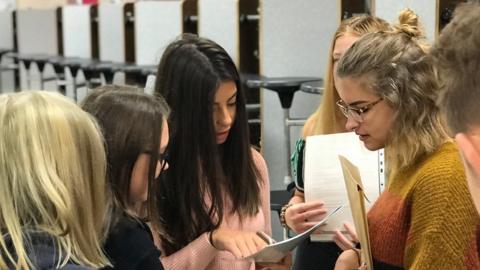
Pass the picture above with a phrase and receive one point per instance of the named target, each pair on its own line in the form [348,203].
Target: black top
[130,246]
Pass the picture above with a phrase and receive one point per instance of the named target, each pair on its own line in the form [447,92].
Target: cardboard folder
[356,198]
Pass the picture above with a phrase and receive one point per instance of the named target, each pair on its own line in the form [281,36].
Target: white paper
[275,252]
[323,175]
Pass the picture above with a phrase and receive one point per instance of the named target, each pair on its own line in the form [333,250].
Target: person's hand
[284,264]
[346,242]
[241,244]
[302,216]
[348,260]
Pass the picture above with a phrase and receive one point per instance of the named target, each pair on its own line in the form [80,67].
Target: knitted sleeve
[196,255]
[264,189]
[443,220]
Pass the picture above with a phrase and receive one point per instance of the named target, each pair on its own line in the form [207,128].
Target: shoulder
[444,165]
[260,165]
[258,159]
[44,254]
[442,174]
[129,238]
[129,230]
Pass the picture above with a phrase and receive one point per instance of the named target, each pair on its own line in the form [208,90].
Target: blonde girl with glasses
[425,218]
[327,119]
[52,184]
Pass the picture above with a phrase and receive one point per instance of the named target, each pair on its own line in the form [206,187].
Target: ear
[470,146]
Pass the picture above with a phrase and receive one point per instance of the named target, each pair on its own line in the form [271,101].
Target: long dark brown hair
[201,172]
[131,122]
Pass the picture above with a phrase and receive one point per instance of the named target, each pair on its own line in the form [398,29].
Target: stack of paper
[324,180]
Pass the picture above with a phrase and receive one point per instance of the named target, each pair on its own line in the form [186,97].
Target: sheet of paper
[324,179]
[356,198]
[276,251]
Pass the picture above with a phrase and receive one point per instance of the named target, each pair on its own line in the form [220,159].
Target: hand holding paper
[346,241]
[275,252]
[302,216]
[323,175]
[241,244]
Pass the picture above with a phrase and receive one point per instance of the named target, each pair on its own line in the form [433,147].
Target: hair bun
[408,23]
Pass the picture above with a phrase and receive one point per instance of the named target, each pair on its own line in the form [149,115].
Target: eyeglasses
[356,113]
[161,157]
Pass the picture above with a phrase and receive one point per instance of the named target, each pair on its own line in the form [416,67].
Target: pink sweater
[200,254]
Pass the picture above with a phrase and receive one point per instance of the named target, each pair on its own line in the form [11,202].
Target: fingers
[312,215]
[307,206]
[253,244]
[309,224]
[240,244]
[263,240]
[351,231]
[300,215]
[308,219]
[363,267]
[235,250]
[343,242]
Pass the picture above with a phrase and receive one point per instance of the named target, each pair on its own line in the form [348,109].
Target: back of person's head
[457,55]
[132,123]
[189,75]
[52,180]
[395,67]
[328,119]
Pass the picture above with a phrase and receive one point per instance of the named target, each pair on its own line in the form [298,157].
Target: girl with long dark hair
[215,196]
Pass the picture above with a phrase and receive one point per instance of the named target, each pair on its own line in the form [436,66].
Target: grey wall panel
[157,23]
[6,29]
[77,42]
[37,31]
[219,20]
[7,81]
[427,11]
[111,28]
[77,38]
[295,38]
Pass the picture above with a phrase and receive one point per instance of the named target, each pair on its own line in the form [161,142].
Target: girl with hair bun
[328,119]
[425,218]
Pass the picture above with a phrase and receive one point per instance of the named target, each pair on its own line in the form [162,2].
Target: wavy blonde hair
[397,69]
[328,119]
[52,179]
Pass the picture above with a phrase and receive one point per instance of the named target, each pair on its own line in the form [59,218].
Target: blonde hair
[52,179]
[398,70]
[328,119]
